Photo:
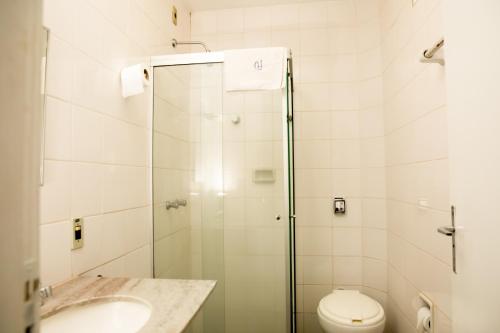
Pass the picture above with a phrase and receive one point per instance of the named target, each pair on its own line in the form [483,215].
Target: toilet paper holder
[425,315]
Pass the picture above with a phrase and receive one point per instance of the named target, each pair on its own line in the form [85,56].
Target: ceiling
[218,4]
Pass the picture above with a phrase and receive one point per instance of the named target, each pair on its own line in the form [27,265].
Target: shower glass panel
[227,155]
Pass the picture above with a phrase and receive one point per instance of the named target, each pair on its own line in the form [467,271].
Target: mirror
[44,53]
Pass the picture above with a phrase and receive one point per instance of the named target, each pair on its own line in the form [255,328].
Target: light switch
[77,233]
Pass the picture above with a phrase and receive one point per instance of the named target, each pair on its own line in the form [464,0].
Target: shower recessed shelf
[263,176]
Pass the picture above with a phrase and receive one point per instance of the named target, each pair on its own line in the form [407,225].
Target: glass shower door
[256,210]
[188,182]
[223,197]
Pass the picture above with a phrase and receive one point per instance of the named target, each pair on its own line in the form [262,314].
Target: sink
[102,314]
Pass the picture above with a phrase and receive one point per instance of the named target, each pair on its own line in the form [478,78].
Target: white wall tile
[345,154]
[317,269]
[55,250]
[312,154]
[55,194]
[345,125]
[313,182]
[347,270]
[137,263]
[123,187]
[341,13]
[203,23]
[285,16]
[346,182]
[257,18]
[57,129]
[344,96]
[314,241]
[86,180]
[375,243]
[313,125]
[313,15]
[86,135]
[375,274]
[347,242]
[314,212]
[60,64]
[314,41]
[230,21]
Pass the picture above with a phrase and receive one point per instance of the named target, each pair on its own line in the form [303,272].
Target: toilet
[349,311]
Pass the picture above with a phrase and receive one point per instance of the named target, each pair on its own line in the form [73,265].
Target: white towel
[255,69]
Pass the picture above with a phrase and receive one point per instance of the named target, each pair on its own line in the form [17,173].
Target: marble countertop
[174,302]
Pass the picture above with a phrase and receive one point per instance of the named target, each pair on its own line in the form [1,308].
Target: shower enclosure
[223,193]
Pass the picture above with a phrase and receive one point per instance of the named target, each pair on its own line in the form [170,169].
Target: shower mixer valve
[175,204]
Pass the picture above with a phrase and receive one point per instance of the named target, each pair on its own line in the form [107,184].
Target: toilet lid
[350,307]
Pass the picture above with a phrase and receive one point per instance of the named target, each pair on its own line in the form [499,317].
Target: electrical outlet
[77,233]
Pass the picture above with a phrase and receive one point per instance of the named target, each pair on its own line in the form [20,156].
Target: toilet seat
[350,308]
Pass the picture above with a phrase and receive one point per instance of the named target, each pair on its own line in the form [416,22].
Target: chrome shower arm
[175,42]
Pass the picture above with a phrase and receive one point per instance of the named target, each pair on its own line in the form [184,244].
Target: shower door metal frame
[289,176]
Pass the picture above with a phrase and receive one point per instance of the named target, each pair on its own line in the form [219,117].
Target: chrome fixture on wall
[175,42]
[176,203]
[428,54]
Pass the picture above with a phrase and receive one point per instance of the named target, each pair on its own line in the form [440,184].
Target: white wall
[417,164]
[97,152]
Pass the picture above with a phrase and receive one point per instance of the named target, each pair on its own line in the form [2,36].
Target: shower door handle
[446,230]
[450,231]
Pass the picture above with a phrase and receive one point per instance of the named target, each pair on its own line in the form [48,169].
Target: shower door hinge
[289,117]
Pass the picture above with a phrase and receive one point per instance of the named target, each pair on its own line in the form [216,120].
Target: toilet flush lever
[450,231]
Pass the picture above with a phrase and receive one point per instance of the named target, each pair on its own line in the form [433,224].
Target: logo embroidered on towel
[258,65]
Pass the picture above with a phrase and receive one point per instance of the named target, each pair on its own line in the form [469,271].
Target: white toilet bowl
[349,311]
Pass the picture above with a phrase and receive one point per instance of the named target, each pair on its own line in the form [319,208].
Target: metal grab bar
[428,54]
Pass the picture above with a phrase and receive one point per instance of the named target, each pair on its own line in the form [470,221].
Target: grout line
[102,113]
[414,120]
[417,247]
[95,215]
[99,163]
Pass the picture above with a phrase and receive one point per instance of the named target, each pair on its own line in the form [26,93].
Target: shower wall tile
[97,145]
[339,137]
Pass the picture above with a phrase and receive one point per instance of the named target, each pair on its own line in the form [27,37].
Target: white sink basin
[104,314]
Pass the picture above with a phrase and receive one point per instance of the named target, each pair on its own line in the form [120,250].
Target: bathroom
[154,183]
